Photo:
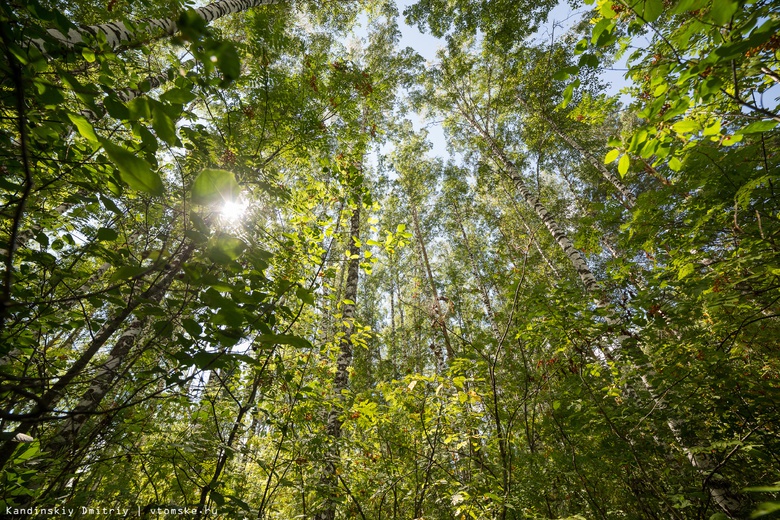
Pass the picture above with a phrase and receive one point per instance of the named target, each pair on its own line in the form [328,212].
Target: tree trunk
[116,33]
[329,478]
[52,396]
[629,201]
[440,318]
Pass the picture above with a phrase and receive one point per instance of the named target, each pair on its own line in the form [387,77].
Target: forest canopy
[237,282]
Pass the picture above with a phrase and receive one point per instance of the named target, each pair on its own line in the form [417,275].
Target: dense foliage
[235,282]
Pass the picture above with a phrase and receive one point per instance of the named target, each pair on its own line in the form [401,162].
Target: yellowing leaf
[611,156]
[684,271]
[686,126]
[623,164]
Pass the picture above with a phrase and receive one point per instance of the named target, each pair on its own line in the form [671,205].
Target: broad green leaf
[686,126]
[722,11]
[210,360]
[107,234]
[606,10]
[215,186]
[565,72]
[602,25]
[192,327]
[228,62]
[685,271]
[84,127]
[127,272]
[568,92]
[652,10]
[305,295]
[675,164]
[758,126]
[765,508]
[240,503]
[713,129]
[589,60]
[225,248]
[177,95]
[163,125]
[762,489]
[136,172]
[687,5]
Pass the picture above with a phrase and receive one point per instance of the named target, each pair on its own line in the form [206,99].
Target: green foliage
[160,350]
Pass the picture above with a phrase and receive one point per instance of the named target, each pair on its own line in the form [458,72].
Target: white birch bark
[628,198]
[55,393]
[329,478]
[117,33]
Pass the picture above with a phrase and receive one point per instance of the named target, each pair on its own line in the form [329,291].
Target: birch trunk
[564,242]
[439,319]
[52,396]
[329,478]
[629,201]
[117,33]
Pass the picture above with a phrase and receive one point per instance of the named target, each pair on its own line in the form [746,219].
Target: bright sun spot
[233,210]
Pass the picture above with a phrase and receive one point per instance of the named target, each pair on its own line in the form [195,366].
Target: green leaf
[163,125]
[228,61]
[611,156]
[758,126]
[606,10]
[722,11]
[210,361]
[762,489]
[568,92]
[687,5]
[215,186]
[136,172]
[192,327]
[765,508]
[685,126]
[623,164]
[675,164]
[107,234]
[84,127]
[305,295]
[652,10]
[283,339]
[177,95]
[565,72]
[685,271]
[713,129]
[240,503]
[127,272]
[589,60]
[602,25]
[225,248]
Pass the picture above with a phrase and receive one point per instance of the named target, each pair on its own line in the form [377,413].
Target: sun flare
[233,210]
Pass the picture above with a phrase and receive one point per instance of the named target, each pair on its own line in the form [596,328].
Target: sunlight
[233,210]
